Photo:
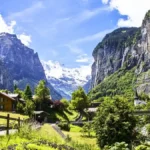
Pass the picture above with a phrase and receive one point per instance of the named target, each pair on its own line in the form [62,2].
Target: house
[40,116]
[8,102]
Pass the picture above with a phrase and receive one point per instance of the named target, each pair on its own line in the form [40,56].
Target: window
[1,107]
[1,99]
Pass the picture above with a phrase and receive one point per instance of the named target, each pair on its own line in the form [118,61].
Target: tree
[42,93]
[115,122]
[79,99]
[87,129]
[15,87]
[29,107]
[28,93]
[65,102]
[18,91]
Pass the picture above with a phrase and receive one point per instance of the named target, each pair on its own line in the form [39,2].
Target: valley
[103,106]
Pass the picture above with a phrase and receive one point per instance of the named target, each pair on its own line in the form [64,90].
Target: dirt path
[3,133]
[57,129]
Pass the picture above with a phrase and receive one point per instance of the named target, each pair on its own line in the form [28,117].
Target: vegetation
[119,83]
[120,38]
[28,93]
[45,138]
[42,94]
[115,122]
[79,99]
[12,115]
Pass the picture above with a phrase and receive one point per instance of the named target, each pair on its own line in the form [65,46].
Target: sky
[68,30]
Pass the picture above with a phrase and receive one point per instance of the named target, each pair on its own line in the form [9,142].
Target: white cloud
[24,14]
[135,11]
[4,27]
[25,39]
[84,58]
[9,28]
[74,48]
[96,36]
[105,1]
[88,14]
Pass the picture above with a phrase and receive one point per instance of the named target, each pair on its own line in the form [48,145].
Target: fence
[8,127]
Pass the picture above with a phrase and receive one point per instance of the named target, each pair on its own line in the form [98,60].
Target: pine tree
[28,93]
[42,94]
[15,87]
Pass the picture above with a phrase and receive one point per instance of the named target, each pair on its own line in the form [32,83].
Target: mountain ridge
[22,63]
[65,79]
[122,62]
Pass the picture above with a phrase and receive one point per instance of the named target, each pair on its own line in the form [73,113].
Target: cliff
[22,64]
[122,62]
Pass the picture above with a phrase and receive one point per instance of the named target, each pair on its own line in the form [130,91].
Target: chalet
[8,102]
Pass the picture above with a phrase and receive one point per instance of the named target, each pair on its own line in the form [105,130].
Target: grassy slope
[47,133]
[119,83]
[76,135]
[12,115]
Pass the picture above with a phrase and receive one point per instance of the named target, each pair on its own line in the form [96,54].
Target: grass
[12,115]
[71,114]
[76,135]
[67,115]
[32,139]
[27,135]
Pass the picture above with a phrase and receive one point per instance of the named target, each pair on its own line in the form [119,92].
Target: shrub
[141,147]
[117,146]
[64,126]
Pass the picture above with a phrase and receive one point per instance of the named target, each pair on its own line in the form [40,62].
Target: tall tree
[42,93]
[115,122]
[79,99]
[28,93]
[15,87]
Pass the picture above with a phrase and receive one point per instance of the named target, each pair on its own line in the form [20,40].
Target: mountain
[66,80]
[122,62]
[21,65]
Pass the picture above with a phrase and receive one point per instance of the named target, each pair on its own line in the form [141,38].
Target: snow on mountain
[66,80]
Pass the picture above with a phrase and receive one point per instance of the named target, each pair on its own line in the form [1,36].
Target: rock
[126,48]
[21,63]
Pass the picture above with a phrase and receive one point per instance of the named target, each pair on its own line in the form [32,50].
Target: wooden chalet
[8,102]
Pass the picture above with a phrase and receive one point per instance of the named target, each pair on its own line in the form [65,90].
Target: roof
[13,95]
[6,95]
[40,112]
[92,109]
[20,99]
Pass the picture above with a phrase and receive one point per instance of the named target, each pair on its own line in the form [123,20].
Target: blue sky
[68,30]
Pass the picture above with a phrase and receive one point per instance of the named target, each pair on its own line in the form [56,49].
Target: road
[3,133]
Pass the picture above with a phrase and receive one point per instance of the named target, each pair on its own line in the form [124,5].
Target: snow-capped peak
[66,80]
[56,70]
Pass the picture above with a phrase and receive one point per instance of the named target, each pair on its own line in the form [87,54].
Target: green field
[33,139]
[12,115]
[76,135]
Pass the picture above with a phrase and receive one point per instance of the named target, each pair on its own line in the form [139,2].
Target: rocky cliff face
[21,63]
[124,48]
[113,52]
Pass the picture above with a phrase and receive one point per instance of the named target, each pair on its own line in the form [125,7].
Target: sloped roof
[6,95]
[92,109]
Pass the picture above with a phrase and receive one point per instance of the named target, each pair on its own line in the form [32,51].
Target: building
[8,102]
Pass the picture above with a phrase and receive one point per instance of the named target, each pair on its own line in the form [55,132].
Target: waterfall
[124,56]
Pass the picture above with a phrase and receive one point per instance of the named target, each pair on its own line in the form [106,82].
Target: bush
[117,146]
[141,147]
[115,122]
[64,126]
